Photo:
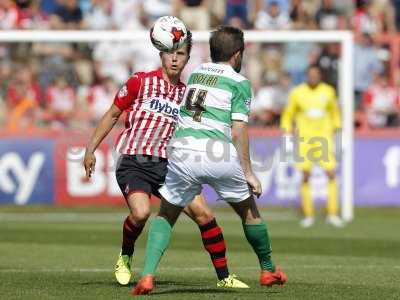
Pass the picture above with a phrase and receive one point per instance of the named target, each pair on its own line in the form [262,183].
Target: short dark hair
[225,41]
[314,66]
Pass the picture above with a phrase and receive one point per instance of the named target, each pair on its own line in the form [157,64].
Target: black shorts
[141,173]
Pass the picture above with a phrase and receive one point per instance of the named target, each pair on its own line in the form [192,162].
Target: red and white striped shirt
[152,108]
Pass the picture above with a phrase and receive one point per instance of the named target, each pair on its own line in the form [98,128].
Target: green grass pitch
[49,253]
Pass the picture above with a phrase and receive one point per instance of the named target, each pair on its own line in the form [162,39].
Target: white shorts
[189,169]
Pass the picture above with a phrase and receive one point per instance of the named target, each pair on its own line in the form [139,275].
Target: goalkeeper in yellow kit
[312,115]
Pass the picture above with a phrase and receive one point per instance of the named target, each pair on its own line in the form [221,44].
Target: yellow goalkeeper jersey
[311,111]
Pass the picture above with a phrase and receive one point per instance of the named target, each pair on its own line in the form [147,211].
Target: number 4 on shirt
[195,103]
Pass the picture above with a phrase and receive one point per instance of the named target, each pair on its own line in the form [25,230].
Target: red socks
[130,234]
[214,243]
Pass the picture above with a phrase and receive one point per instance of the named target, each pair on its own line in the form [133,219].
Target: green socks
[160,234]
[257,236]
[157,242]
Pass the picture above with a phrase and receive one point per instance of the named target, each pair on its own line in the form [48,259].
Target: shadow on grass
[214,291]
[191,291]
[200,289]
[162,283]
[107,283]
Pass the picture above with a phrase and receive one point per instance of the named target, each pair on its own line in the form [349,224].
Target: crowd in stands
[70,85]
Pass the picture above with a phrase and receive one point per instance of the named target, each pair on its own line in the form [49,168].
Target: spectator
[9,15]
[328,17]
[299,17]
[99,15]
[328,61]
[32,17]
[60,103]
[48,6]
[55,59]
[128,15]
[282,92]
[396,7]
[345,7]
[3,111]
[382,103]
[100,98]
[263,62]
[237,13]
[385,12]
[217,12]
[310,8]
[364,21]
[5,71]
[144,56]
[284,5]
[272,18]
[270,101]
[195,13]
[297,58]
[22,100]
[157,8]
[119,59]
[366,65]
[113,59]
[22,84]
[67,15]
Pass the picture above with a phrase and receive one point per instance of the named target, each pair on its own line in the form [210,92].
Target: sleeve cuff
[240,117]
[119,105]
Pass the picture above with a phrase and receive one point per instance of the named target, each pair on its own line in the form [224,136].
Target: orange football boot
[144,286]
[271,278]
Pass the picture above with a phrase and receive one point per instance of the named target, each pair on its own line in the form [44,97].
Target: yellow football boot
[232,282]
[123,272]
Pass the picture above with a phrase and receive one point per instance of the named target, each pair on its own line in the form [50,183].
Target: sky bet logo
[163,107]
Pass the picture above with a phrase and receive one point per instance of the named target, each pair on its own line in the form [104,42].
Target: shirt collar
[224,66]
[159,74]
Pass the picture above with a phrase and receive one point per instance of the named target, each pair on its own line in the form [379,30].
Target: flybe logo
[167,108]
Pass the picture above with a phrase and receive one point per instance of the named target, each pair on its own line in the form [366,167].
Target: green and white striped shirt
[215,96]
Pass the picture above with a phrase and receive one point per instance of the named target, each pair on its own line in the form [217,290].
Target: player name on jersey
[208,80]
[216,96]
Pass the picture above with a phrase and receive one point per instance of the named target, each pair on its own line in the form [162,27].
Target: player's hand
[89,163]
[255,184]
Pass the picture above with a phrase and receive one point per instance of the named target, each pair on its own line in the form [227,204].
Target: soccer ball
[168,33]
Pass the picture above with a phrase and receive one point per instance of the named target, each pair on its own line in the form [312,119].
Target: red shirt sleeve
[128,92]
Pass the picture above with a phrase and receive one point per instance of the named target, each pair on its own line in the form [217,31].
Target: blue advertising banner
[31,172]
[376,174]
[26,171]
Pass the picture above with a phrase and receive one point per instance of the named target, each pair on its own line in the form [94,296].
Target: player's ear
[236,56]
[239,53]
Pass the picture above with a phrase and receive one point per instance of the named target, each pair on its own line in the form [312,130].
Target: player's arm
[240,136]
[122,101]
[240,139]
[105,125]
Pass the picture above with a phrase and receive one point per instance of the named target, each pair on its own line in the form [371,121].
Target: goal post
[345,81]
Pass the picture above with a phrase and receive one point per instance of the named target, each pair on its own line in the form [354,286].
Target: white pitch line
[55,217]
[194,269]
